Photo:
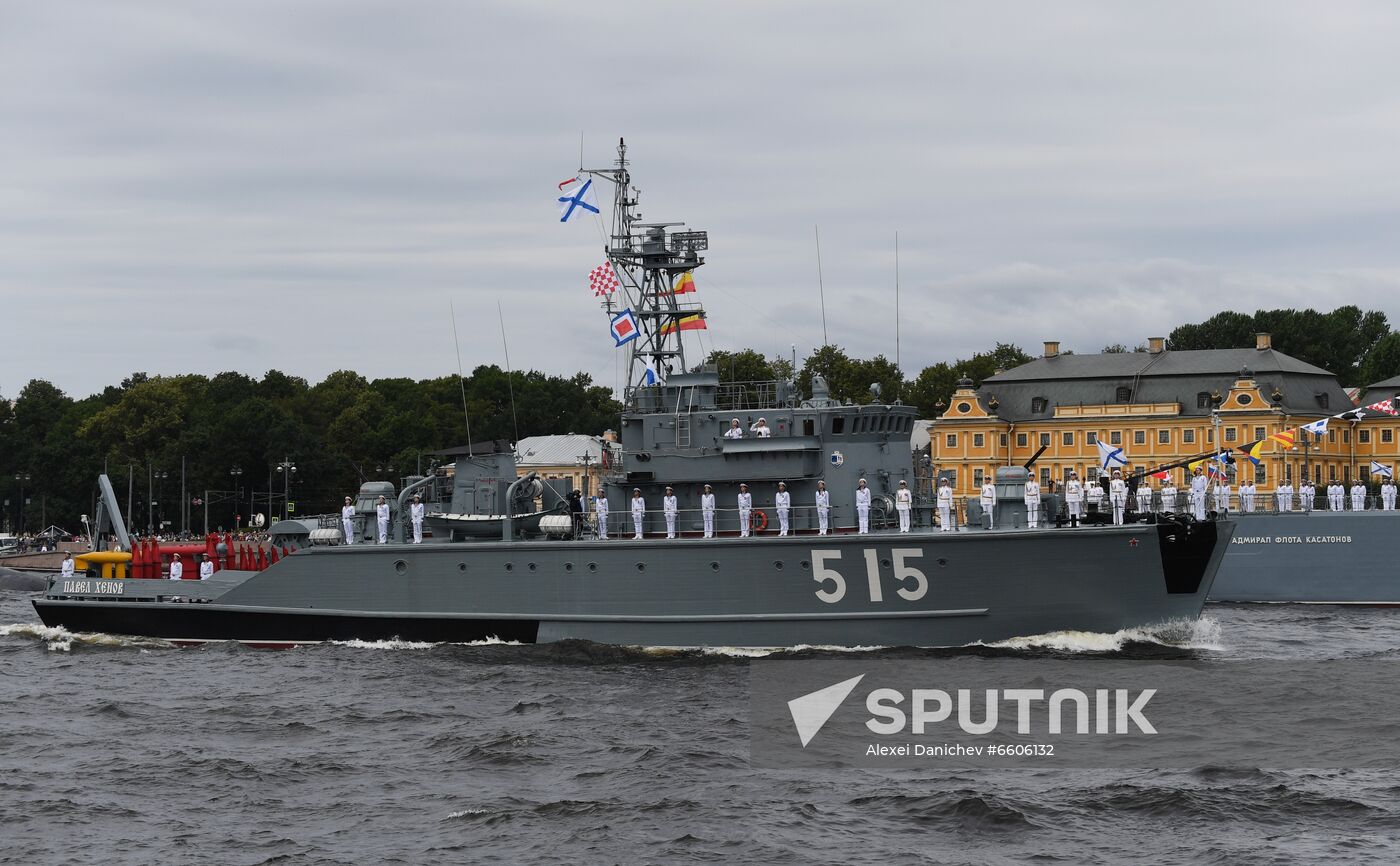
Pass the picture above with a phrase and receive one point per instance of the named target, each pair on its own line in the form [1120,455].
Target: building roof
[558,450]
[1162,377]
[1378,391]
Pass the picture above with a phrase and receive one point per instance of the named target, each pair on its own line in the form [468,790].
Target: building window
[1346,475]
[1230,434]
[1363,436]
[978,477]
[1091,438]
[1139,437]
[1115,438]
[1322,401]
[1346,438]
[1387,436]
[1332,472]
[952,476]
[1068,438]
[1331,435]
[978,440]
[1038,405]
[1123,394]
[1258,433]
[1202,399]
[1045,439]
[952,440]
[1210,436]
[1022,440]
[1003,440]
[1092,473]
[1164,437]
[1188,437]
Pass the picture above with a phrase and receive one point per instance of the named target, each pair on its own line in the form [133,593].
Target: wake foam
[1192,634]
[60,639]
[397,644]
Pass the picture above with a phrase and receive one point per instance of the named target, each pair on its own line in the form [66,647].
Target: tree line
[347,429]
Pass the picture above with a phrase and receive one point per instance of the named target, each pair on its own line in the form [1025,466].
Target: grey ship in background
[534,580]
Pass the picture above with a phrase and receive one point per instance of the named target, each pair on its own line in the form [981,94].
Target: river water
[119,751]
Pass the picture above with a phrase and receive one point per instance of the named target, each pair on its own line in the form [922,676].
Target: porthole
[530,566]
[778,565]
[641,566]
[400,566]
[592,566]
[568,566]
[885,563]
[461,566]
[714,566]
[805,565]
[942,563]
[510,566]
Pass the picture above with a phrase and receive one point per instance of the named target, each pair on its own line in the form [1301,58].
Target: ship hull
[1318,557]
[920,589]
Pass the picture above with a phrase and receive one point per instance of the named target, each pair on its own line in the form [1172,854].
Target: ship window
[1322,400]
[1038,405]
[1164,437]
[1387,436]
[978,440]
[1202,399]
[838,425]
[1363,436]
[809,427]
[883,423]
[1069,438]
[1123,394]
[1022,440]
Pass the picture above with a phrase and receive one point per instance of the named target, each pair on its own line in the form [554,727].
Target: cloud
[203,187]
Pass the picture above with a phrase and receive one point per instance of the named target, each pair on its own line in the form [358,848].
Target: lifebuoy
[758,520]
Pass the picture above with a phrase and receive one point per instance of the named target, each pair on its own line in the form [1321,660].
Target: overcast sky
[197,187]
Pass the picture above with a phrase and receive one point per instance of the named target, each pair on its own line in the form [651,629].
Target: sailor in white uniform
[1388,495]
[823,508]
[1247,497]
[1118,497]
[1144,495]
[1198,495]
[782,503]
[734,431]
[903,505]
[1336,496]
[707,510]
[66,569]
[415,515]
[1032,498]
[988,498]
[862,508]
[347,521]
[670,508]
[945,505]
[1074,496]
[761,429]
[381,516]
[177,568]
[206,568]
[639,512]
[1283,494]
[1358,496]
[745,510]
[1093,495]
[600,508]
[1168,494]
[1306,494]
[1222,494]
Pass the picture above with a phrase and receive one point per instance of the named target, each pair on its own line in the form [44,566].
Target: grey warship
[545,580]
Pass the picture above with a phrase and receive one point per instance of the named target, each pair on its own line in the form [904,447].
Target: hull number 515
[913,584]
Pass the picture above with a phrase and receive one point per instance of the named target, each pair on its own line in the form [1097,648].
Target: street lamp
[286,468]
[151,502]
[21,477]
[237,492]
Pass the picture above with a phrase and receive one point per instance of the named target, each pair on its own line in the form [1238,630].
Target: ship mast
[648,259]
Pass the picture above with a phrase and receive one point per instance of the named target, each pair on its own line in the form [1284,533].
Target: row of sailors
[381,520]
[782,504]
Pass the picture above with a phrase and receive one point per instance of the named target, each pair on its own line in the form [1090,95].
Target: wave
[1191,634]
[397,644]
[60,639]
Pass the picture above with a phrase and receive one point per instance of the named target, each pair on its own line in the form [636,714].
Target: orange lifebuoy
[758,520]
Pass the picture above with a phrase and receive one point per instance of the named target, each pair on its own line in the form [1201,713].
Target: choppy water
[118,751]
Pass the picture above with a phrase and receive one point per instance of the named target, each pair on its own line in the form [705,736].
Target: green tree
[1382,362]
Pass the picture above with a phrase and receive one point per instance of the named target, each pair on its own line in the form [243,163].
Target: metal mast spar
[648,259]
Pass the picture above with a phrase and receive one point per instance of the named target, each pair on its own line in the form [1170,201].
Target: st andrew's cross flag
[1111,456]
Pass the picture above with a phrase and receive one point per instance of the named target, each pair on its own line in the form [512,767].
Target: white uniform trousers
[417,532]
[903,519]
[708,517]
[863,518]
[745,521]
[823,519]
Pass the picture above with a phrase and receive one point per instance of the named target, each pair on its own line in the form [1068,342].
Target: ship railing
[763,517]
[747,396]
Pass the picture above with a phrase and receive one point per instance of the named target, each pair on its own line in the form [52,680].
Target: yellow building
[1159,406]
